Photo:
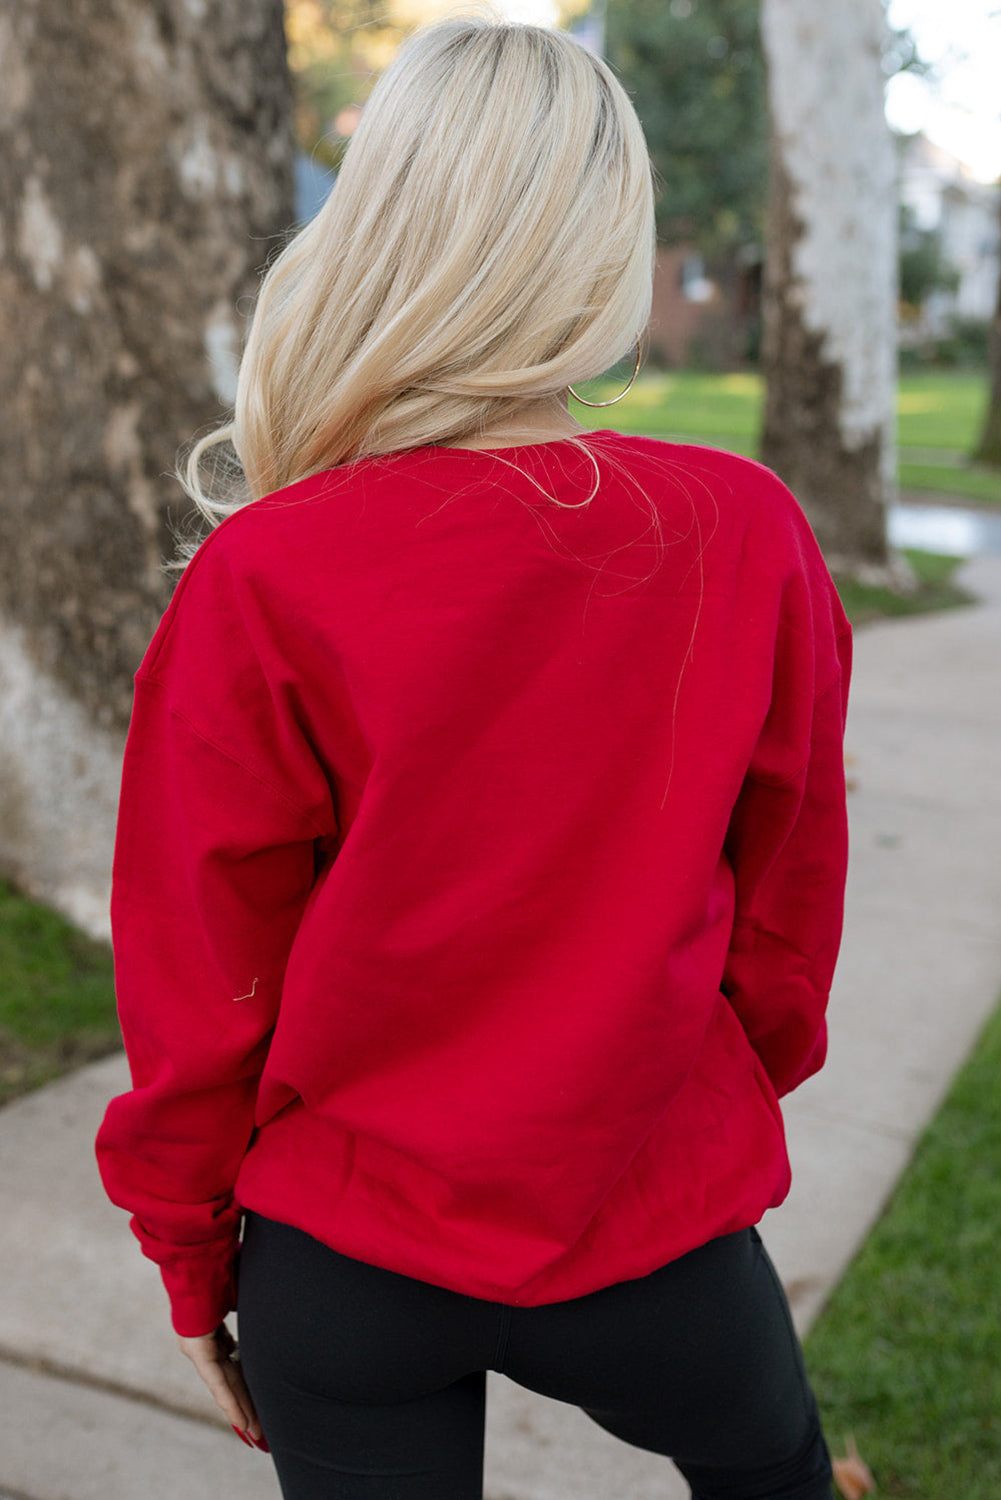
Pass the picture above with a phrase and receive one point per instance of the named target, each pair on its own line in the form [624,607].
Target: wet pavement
[955,530]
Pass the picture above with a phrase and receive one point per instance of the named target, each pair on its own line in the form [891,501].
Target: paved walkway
[95,1402]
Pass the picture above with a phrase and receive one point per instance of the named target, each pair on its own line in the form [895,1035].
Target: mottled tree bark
[829,305]
[989,446]
[145,171]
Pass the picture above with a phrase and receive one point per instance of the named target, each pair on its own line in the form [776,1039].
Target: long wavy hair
[489,241]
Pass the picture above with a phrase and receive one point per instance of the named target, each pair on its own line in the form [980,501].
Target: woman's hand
[215,1357]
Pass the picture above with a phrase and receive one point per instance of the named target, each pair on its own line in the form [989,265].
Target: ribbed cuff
[202,1290]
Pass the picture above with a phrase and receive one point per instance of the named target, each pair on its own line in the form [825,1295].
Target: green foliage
[924,270]
[336,49]
[695,70]
[965,345]
[57,1002]
[905,1353]
[696,74]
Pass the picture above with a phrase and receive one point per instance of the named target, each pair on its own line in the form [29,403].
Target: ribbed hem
[682,1188]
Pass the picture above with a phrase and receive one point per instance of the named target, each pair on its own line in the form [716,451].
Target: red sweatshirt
[479,873]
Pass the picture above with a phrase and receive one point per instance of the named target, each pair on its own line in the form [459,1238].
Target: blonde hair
[489,241]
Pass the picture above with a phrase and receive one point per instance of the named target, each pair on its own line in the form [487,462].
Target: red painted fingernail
[242,1435]
[261,1443]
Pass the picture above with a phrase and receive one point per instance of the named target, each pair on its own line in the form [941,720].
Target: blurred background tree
[146,168]
[695,70]
[696,74]
[146,162]
[831,278]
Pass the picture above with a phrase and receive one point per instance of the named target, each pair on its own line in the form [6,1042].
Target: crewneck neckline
[519,447]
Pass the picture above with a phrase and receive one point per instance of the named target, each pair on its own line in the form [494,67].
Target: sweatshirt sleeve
[787,840]
[213,866]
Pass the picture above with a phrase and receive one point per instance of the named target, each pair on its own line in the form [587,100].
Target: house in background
[703,320]
[945,199]
[716,321]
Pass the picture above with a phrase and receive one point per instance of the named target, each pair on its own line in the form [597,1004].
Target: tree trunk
[829,309]
[989,447]
[145,170]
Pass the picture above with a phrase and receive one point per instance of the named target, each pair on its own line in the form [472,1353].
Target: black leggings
[371,1385]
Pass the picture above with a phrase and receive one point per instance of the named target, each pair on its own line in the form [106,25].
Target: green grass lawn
[939,413]
[905,1355]
[971,482]
[57,1004]
[941,409]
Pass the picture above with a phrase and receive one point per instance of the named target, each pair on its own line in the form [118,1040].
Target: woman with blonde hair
[481,851]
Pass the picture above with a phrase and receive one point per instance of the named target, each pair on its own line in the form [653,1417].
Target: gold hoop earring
[632,380]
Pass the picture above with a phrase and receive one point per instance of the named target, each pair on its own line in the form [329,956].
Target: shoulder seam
[781,781]
[234,760]
[831,682]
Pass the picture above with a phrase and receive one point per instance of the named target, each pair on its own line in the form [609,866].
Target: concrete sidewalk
[95,1401]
